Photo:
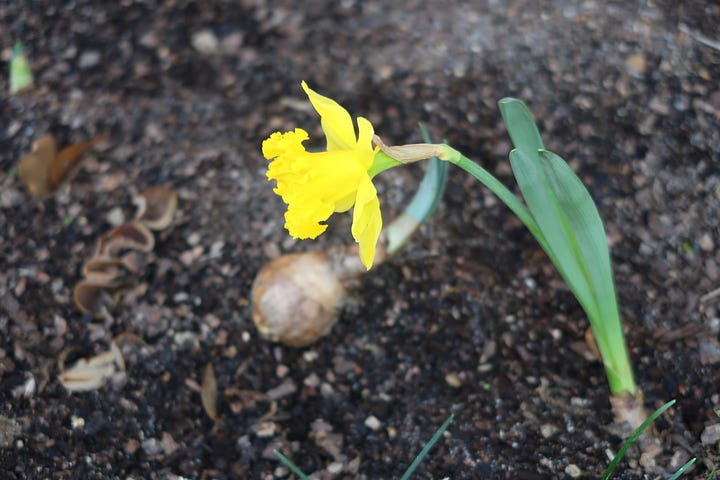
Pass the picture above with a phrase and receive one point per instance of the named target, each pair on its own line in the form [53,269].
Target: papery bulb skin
[297,299]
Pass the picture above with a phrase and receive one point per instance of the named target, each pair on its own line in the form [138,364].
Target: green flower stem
[508,198]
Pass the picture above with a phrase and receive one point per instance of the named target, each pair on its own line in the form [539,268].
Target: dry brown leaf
[34,168]
[130,236]
[95,298]
[156,206]
[209,392]
[68,157]
[105,270]
[93,373]
[44,168]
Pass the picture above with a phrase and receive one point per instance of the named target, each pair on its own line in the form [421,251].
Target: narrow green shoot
[427,447]
[289,463]
[20,74]
[635,435]
[682,469]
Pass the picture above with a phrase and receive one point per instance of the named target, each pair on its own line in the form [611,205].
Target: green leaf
[554,224]
[588,232]
[520,124]
[569,221]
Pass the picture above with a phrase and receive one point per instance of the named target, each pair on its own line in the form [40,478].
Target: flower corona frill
[315,185]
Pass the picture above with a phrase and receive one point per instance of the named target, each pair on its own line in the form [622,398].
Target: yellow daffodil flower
[314,185]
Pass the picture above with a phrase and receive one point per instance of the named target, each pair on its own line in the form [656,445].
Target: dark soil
[470,319]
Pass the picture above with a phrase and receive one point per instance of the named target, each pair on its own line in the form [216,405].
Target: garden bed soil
[471,318]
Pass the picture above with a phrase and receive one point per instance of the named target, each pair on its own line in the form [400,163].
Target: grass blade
[288,463]
[427,447]
[682,469]
[635,435]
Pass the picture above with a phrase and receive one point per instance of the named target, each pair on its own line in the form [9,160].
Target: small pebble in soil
[573,470]
[373,423]
[548,430]
[711,434]
[205,41]
[77,422]
[453,380]
[151,446]
[89,59]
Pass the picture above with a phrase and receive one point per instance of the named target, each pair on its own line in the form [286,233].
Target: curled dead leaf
[105,270]
[95,298]
[156,206]
[209,392]
[92,373]
[130,236]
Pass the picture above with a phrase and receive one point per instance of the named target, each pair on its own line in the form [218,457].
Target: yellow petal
[367,221]
[335,120]
[364,143]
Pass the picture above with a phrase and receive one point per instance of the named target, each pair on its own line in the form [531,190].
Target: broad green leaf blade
[584,219]
[578,207]
[554,225]
[521,125]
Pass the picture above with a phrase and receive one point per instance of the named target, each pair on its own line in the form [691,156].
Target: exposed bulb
[297,298]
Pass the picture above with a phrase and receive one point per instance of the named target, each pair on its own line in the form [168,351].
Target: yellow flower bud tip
[410,153]
[315,185]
